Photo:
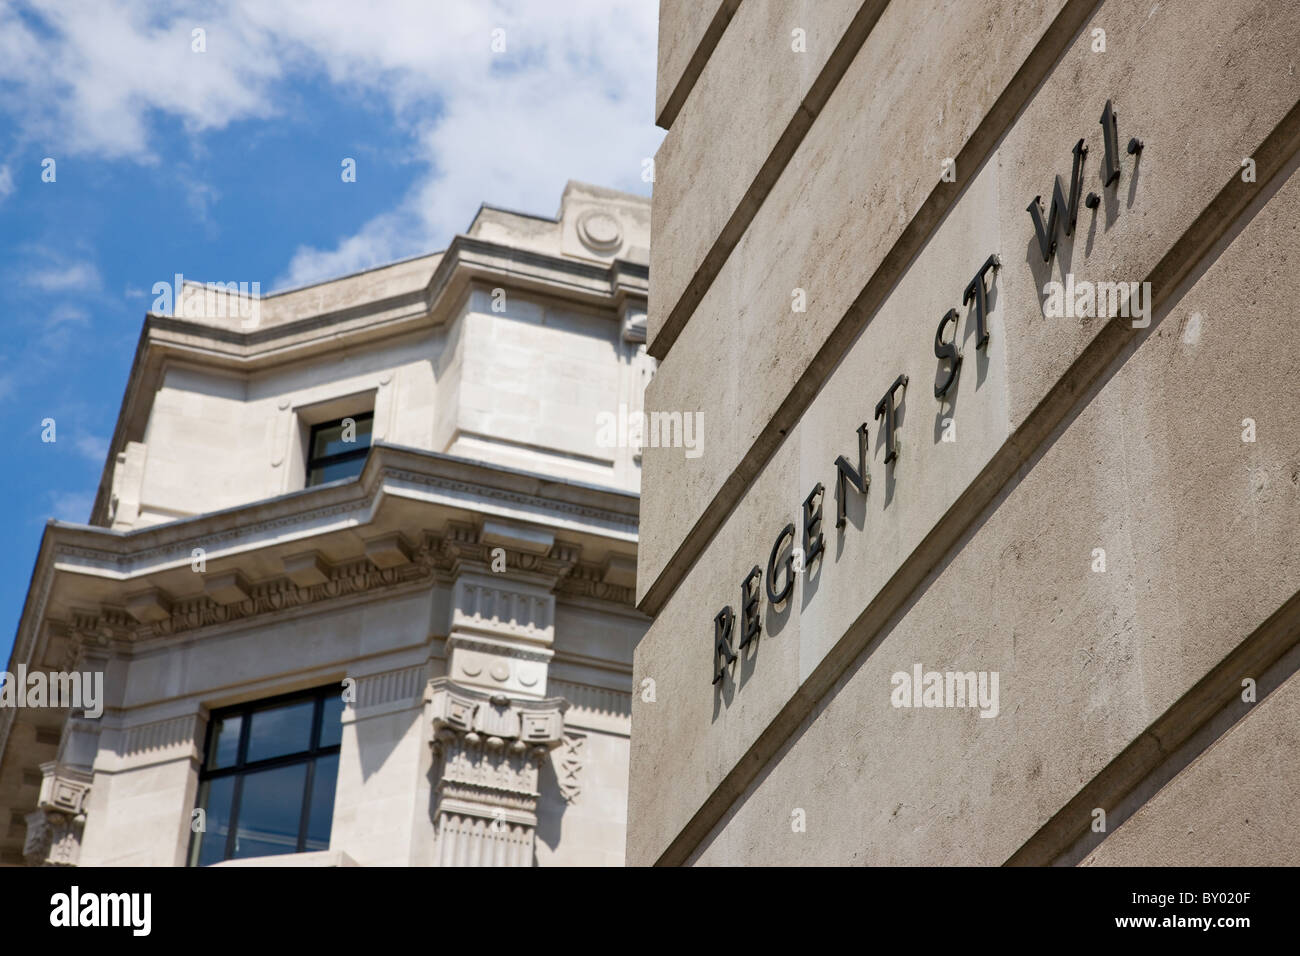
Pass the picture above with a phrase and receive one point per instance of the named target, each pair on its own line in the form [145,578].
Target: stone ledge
[316,858]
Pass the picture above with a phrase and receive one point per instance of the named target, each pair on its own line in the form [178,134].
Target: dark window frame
[242,767]
[352,454]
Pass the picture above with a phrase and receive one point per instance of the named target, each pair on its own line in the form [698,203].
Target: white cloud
[6,183]
[62,329]
[91,72]
[64,277]
[67,314]
[572,95]
[91,447]
[200,197]
[71,506]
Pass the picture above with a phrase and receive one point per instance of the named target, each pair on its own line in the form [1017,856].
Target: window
[267,783]
[338,449]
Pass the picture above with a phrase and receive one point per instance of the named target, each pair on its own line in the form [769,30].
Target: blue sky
[223,164]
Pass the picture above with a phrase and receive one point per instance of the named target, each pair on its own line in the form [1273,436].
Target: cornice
[112,630]
[466,259]
[390,471]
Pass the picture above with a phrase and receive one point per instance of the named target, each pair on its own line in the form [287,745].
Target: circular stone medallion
[599,231]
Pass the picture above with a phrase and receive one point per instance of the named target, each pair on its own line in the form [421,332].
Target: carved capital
[495,606]
[489,749]
[63,788]
[502,626]
[54,828]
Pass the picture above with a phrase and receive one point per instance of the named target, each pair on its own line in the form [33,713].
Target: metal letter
[975,290]
[783,540]
[947,350]
[886,408]
[1110,133]
[813,542]
[722,625]
[845,473]
[1062,213]
[750,623]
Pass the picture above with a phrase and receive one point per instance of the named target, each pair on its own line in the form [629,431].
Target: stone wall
[1100,509]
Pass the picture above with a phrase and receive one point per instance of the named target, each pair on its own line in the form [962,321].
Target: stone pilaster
[501,633]
[488,749]
[493,724]
[502,625]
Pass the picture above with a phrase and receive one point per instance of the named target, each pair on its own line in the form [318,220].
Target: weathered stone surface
[838,210]
[1150,467]
[863,169]
[688,30]
[751,105]
[1239,792]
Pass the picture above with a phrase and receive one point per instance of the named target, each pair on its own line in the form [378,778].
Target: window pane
[329,441]
[280,730]
[323,438]
[225,742]
[331,727]
[210,845]
[322,803]
[336,471]
[270,811]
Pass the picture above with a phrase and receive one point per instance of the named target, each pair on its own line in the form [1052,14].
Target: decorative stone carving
[600,231]
[488,750]
[318,582]
[496,607]
[282,426]
[113,626]
[388,690]
[569,761]
[634,324]
[591,581]
[54,828]
[388,551]
[463,549]
[228,588]
[501,634]
[502,620]
[149,605]
[306,569]
[498,667]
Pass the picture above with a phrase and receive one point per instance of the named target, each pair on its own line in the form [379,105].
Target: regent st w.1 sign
[799,545]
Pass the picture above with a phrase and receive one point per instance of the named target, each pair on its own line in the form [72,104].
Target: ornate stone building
[359,575]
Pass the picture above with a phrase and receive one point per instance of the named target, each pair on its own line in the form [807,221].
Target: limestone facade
[884,231]
[467,595]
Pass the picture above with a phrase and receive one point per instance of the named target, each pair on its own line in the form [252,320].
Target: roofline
[512,212]
[352,275]
[452,265]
